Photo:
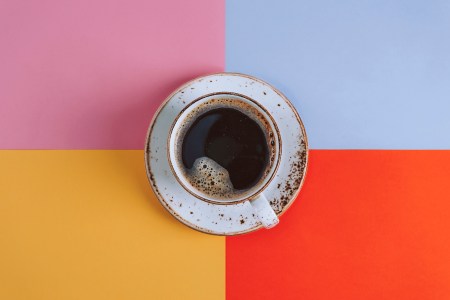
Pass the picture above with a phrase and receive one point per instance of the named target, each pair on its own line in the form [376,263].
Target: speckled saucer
[237,218]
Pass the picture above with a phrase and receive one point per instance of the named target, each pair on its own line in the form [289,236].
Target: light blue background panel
[362,74]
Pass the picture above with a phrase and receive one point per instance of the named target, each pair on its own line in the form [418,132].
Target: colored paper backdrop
[80,80]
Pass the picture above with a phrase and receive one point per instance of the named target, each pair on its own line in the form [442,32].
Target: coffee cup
[225,148]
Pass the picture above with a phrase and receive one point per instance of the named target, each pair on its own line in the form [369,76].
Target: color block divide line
[367,225]
[85,225]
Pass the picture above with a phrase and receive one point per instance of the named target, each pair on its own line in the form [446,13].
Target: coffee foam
[210,178]
[201,178]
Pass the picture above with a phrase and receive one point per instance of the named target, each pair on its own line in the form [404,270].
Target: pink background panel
[90,74]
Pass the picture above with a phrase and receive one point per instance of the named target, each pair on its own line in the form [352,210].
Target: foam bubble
[210,178]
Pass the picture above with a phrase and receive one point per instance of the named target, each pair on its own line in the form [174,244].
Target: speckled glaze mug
[216,195]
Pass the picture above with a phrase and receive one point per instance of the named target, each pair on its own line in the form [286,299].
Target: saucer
[223,219]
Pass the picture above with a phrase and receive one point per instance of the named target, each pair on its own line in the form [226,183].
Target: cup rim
[262,187]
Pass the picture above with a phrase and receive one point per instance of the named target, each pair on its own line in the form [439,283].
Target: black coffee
[232,140]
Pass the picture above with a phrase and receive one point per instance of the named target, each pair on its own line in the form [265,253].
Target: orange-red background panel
[367,225]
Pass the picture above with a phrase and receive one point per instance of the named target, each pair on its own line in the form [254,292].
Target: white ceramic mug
[255,194]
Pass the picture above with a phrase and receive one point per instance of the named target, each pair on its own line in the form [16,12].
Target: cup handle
[264,211]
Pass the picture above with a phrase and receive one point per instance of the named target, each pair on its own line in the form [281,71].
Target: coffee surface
[230,139]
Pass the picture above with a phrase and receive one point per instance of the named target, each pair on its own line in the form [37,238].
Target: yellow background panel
[86,225]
